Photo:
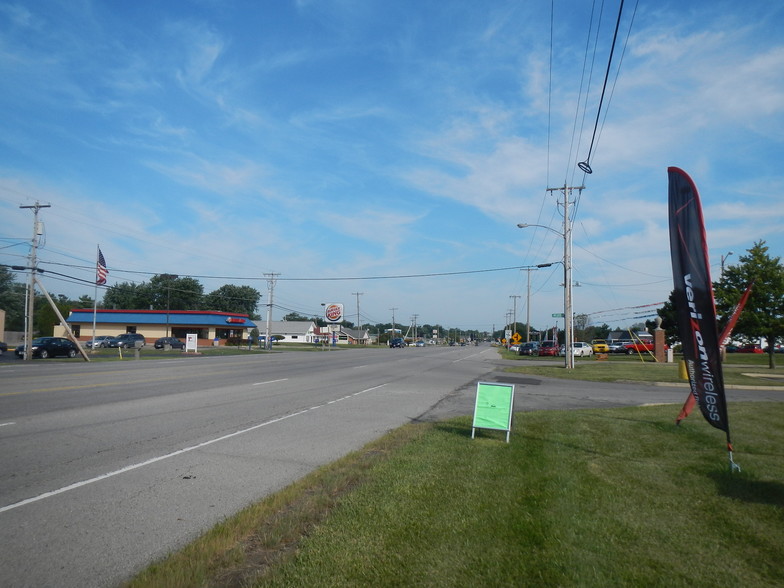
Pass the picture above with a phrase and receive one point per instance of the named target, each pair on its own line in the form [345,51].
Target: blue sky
[359,140]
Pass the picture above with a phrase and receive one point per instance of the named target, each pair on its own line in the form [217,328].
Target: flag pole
[95,298]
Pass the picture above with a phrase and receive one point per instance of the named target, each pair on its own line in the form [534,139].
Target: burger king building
[209,326]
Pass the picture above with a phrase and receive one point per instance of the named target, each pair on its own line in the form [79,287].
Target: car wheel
[44,354]
[72,353]
[630,351]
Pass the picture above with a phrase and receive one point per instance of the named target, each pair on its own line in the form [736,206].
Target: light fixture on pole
[723,259]
[567,263]
[528,301]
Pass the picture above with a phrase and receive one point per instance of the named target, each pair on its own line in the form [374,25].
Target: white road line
[168,455]
[6,424]
[270,382]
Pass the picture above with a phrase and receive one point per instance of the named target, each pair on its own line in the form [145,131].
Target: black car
[397,342]
[126,340]
[173,342]
[3,347]
[44,347]
[528,348]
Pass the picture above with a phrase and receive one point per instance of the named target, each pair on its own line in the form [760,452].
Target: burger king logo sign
[333,313]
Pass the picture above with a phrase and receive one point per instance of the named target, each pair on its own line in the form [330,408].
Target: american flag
[100,269]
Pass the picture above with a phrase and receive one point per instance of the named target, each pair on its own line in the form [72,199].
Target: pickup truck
[633,347]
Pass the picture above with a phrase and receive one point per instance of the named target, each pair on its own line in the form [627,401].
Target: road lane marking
[6,424]
[270,382]
[153,460]
[109,384]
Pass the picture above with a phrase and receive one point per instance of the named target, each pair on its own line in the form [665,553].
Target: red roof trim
[202,312]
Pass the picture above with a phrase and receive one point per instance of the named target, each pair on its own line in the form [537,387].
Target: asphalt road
[105,467]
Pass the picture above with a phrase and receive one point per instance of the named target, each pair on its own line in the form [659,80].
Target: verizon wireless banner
[694,301]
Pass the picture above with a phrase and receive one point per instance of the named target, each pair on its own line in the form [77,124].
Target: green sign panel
[493,409]
[558,315]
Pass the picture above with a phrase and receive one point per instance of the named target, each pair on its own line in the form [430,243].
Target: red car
[638,347]
[548,348]
[750,348]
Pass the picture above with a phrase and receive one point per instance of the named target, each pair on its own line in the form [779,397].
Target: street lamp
[723,259]
[528,301]
[169,278]
[567,263]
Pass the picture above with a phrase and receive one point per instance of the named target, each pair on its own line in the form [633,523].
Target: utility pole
[30,303]
[567,263]
[358,294]
[528,310]
[514,298]
[392,336]
[414,318]
[271,277]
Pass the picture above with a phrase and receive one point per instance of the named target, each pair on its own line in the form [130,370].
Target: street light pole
[723,259]
[567,263]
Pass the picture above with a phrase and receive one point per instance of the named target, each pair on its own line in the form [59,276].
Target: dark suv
[397,342]
[531,348]
[126,340]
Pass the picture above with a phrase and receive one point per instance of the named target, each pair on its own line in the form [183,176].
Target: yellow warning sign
[516,338]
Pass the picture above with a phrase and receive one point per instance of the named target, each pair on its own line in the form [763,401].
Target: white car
[582,349]
[579,349]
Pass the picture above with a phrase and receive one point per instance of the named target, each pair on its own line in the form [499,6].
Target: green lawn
[618,368]
[617,497]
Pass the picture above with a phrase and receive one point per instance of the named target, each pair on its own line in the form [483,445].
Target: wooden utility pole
[30,304]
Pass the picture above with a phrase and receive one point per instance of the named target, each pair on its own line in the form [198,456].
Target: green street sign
[493,409]
[558,315]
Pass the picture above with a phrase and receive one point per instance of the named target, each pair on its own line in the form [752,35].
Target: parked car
[397,342]
[3,347]
[173,342]
[548,348]
[530,348]
[750,348]
[642,346]
[44,347]
[100,341]
[600,346]
[579,349]
[582,349]
[126,340]
[617,346]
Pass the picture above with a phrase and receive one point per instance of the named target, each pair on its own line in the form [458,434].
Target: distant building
[343,336]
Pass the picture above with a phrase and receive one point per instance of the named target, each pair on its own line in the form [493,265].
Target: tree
[46,318]
[231,298]
[127,296]
[763,315]
[669,317]
[295,316]
[12,300]
[170,292]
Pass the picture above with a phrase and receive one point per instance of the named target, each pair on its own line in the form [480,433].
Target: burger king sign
[333,313]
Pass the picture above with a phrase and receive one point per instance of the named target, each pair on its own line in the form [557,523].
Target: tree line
[762,318]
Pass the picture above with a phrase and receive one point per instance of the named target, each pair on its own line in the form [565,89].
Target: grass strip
[631,369]
[616,497]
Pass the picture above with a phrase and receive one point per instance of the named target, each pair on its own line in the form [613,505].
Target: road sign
[558,315]
[516,338]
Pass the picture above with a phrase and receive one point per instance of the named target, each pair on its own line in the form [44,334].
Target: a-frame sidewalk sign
[493,409]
